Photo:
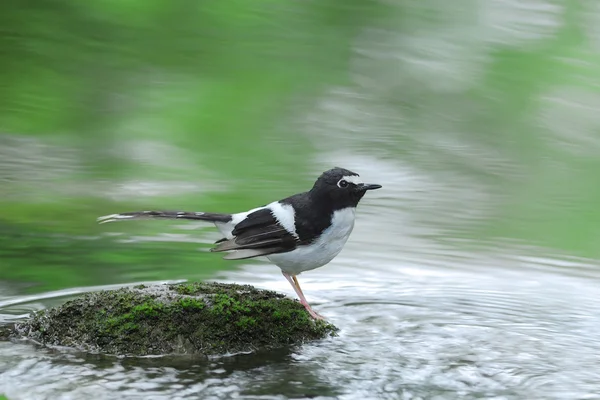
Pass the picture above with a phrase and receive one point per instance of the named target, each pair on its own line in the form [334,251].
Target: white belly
[321,251]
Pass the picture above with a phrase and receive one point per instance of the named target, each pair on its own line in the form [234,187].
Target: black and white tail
[198,216]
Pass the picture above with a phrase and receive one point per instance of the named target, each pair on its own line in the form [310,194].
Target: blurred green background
[110,106]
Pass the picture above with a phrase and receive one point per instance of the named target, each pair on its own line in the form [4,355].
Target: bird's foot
[312,312]
[317,316]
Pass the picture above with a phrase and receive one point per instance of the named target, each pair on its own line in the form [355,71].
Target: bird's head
[342,187]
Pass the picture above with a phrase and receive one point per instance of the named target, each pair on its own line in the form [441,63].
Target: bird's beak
[363,187]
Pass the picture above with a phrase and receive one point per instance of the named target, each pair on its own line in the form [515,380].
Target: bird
[299,233]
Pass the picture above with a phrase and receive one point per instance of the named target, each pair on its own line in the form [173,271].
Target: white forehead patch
[353,179]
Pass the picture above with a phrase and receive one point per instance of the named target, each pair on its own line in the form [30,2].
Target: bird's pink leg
[296,285]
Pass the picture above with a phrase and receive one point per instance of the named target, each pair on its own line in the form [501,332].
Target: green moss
[188,288]
[225,305]
[148,309]
[2,397]
[246,322]
[207,318]
[190,303]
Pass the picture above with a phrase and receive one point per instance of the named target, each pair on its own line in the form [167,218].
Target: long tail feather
[201,216]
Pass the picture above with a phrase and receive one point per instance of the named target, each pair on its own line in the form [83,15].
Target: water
[473,273]
[406,332]
[418,320]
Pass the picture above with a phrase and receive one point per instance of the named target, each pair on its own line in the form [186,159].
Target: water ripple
[431,332]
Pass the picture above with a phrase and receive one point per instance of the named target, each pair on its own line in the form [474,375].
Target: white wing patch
[285,215]
[353,179]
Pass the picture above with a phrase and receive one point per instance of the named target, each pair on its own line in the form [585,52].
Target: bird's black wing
[258,234]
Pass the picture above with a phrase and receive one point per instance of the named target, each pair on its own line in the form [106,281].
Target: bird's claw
[313,313]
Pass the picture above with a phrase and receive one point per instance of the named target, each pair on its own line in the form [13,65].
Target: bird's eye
[342,183]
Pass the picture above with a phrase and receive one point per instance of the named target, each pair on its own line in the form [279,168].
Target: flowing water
[473,272]
[419,319]
[412,326]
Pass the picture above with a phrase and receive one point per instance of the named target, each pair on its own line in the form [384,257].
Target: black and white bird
[299,233]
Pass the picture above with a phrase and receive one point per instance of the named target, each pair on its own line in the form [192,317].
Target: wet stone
[188,318]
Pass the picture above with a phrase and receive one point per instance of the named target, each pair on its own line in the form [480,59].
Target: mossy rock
[189,318]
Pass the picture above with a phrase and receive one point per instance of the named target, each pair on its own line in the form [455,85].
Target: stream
[419,319]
